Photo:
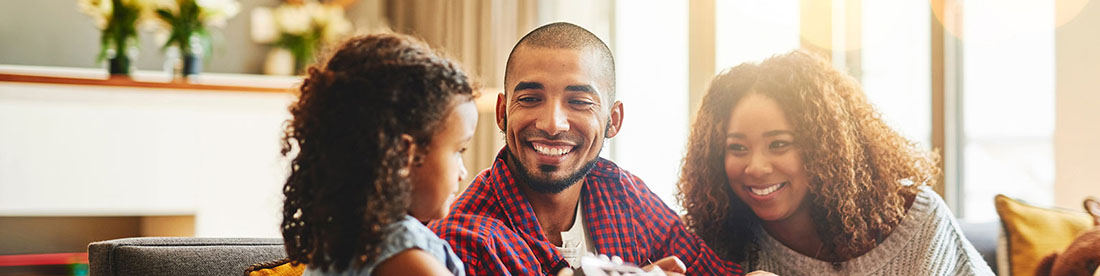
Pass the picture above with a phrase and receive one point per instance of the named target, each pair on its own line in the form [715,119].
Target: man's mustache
[529,133]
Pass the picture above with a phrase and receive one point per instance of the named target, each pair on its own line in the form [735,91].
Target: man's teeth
[552,151]
[768,190]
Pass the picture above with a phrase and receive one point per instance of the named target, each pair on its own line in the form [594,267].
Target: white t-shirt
[576,242]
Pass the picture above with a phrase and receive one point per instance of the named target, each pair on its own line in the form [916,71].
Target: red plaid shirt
[494,230]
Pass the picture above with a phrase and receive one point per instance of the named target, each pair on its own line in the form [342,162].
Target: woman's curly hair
[349,173]
[861,171]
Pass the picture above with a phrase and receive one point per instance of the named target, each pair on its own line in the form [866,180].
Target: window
[748,30]
[1007,104]
[652,68]
[895,65]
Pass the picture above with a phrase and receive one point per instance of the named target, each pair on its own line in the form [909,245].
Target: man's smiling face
[555,115]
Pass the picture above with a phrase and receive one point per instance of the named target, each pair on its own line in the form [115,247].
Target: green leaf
[167,16]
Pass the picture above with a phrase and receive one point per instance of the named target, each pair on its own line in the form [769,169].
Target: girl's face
[435,180]
[763,165]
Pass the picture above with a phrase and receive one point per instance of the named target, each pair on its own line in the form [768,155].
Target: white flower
[319,13]
[216,12]
[263,29]
[337,26]
[331,21]
[311,16]
[292,19]
[140,4]
[99,10]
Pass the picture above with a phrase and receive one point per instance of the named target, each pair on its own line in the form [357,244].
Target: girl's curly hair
[861,171]
[349,173]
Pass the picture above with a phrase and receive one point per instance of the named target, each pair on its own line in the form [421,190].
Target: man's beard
[549,185]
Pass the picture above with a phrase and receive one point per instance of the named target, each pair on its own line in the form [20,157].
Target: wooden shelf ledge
[146,79]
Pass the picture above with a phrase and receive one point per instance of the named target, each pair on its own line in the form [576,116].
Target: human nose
[759,166]
[553,119]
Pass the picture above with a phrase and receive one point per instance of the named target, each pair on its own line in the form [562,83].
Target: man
[549,198]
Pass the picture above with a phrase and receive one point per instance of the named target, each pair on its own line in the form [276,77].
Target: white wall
[56,33]
[105,150]
[1077,106]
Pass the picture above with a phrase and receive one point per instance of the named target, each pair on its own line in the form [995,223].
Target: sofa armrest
[181,256]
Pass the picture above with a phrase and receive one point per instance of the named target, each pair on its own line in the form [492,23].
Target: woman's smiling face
[763,164]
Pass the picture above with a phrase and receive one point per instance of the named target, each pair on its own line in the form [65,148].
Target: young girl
[376,140]
[790,169]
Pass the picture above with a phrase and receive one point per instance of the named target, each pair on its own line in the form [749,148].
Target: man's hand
[671,265]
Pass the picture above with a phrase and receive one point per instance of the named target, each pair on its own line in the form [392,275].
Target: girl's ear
[1092,206]
[409,144]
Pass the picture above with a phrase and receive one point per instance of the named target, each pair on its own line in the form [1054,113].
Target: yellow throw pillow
[1034,232]
[276,268]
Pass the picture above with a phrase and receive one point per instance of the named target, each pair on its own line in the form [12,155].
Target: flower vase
[119,66]
[192,65]
[192,55]
[120,61]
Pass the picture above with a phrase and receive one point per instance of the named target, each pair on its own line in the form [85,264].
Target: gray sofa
[983,236]
[180,256]
[231,256]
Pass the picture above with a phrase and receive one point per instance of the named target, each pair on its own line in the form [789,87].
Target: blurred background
[1004,90]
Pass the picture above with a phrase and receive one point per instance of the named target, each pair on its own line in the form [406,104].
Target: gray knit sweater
[927,242]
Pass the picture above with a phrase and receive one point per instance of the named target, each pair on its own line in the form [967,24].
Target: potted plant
[189,22]
[117,21]
[303,27]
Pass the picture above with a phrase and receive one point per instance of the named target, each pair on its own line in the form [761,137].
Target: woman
[789,169]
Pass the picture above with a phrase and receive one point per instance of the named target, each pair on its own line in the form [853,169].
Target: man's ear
[615,122]
[502,110]
[1092,206]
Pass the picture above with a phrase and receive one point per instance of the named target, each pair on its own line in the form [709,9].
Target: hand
[757,273]
[671,265]
[565,272]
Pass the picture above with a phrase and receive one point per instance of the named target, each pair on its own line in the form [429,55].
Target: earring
[403,172]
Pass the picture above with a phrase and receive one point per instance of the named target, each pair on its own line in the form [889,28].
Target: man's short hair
[562,35]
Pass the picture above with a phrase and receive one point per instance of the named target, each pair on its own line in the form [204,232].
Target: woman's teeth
[767,190]
[552,151]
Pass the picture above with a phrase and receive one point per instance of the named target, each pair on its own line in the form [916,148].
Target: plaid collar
[606,215]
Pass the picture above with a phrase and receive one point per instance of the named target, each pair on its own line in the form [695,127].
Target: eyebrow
[766,134]
[778,132]
[581,88]
[524,85]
